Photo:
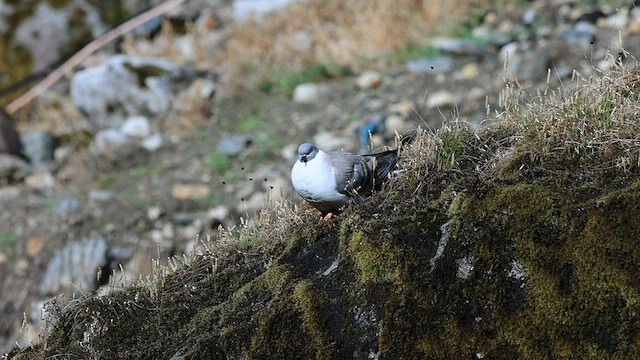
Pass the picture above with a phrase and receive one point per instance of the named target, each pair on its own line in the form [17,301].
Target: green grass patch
[8,239]
[249,124]
[219,162]
[285,82]
[411,52]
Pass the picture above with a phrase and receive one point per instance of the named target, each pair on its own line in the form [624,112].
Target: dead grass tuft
[590,126]
[593,120]
[331,32]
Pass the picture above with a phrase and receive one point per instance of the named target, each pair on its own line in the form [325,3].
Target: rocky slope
[121,191]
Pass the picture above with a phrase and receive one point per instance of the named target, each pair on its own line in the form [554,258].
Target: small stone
[617,21]
[152,143]
[67,206]
[154,213]
[101,195]
[246,9]
[310,93]
[168,231]
[62,153]
[108,141]
[369,80]
[3,258]
[440,98]
[190,191]
[470,71]
[507,51]
[404,107]
[34,246]
[396,123]
[41,181]
[136,126]
[218,213]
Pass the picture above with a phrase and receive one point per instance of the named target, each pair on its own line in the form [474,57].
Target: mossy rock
[544,268]
[18,61]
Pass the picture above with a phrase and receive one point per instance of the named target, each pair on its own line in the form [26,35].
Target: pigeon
[330,180]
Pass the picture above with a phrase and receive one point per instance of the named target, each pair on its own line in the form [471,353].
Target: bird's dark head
[306,152]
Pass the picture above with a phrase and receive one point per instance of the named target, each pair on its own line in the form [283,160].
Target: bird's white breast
[315,180]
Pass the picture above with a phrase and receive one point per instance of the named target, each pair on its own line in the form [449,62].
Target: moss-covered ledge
[516,242]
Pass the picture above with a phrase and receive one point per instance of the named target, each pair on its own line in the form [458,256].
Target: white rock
[108,141]
[183,191]
[310,93]
[244,9]
[396,123]
[41,181]
[218,213]
[101,195]
[136,126]
[154,212]
[507,51]
[125,86]
[153,142]
[440,98]
[369,80]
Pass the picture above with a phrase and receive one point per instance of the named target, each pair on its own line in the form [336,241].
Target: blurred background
[118,150]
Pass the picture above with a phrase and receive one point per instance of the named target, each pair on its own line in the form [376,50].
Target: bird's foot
[328,216]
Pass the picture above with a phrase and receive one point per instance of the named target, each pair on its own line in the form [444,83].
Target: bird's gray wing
[353,174]
[357,176]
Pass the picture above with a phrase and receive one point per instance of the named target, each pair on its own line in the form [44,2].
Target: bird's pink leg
[328,216]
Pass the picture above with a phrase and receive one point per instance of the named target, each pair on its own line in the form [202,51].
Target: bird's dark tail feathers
[385,162]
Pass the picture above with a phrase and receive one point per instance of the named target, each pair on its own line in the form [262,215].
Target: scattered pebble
[136,126]
[190,191]
[369,80]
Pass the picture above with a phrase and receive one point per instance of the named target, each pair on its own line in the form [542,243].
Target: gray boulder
[126,86]
[39,147]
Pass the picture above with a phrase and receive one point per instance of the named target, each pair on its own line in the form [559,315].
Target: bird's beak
[303,158]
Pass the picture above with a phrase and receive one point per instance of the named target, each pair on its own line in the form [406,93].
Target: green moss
[374,262]
[58,4]
[145,71]
[309,301]
[111,12]
[16,65]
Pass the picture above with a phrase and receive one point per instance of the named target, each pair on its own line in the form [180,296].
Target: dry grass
[593,120]
[332,33]
[589,126]
[340,32]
